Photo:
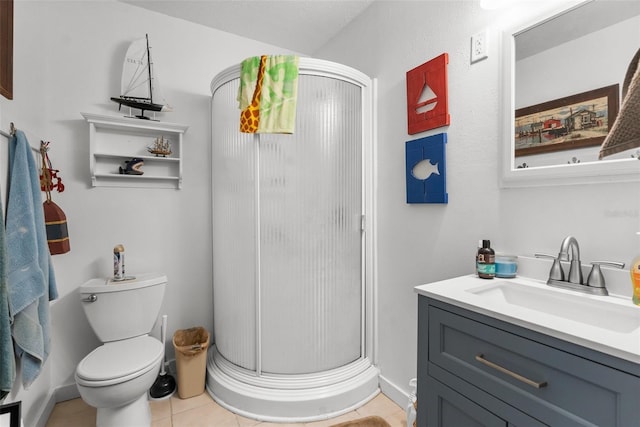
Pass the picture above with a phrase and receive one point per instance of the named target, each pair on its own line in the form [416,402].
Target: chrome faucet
[595,282]
[575,271]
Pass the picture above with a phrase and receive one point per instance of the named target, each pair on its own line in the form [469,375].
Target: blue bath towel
[31,280]
[7,358]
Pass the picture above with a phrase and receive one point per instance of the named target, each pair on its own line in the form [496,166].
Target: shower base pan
[290,398]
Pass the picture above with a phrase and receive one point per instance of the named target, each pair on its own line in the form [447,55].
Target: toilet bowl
[115,377]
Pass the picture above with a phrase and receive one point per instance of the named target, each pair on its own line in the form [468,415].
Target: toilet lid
[120,359]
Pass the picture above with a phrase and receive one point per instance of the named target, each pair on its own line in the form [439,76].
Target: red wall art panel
[427,95]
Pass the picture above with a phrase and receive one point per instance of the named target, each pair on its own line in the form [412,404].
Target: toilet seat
[119,361]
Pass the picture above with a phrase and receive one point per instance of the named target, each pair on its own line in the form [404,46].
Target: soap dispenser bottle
[485,261]
[635,280]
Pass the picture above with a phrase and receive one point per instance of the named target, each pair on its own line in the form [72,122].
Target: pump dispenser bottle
[485,261]
[635,280]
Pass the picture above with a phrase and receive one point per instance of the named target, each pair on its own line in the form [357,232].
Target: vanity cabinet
[477,370]
[116,140]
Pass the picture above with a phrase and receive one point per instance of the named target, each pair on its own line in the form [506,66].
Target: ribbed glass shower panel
[294,312]
[234,231]
[311,241]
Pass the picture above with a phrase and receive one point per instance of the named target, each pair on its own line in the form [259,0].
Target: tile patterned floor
[202,411]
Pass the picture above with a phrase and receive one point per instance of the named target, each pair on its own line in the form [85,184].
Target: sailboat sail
[138,85]
[135,71]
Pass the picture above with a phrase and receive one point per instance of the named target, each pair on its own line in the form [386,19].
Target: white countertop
[623,343]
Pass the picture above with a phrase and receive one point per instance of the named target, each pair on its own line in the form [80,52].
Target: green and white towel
[278,94]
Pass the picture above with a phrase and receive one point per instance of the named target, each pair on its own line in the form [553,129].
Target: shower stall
[293,252]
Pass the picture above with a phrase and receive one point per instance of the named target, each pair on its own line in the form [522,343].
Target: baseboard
[60,394]
[40,419]
[66,392]
[393,392]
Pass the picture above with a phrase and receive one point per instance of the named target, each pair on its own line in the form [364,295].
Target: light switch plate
[479,46]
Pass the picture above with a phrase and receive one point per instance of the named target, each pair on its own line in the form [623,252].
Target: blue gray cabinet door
[570,386]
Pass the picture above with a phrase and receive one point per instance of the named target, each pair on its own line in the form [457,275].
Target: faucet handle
[556,272]
[538,255]
[596,278]
[609,263]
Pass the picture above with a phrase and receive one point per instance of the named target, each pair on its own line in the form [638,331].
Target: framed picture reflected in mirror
[576,121]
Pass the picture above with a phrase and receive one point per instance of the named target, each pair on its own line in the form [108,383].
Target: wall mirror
[563,76]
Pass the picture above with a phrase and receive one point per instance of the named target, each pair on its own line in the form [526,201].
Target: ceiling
[302,26]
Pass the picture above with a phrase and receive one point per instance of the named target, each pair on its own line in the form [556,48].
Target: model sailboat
[139,85]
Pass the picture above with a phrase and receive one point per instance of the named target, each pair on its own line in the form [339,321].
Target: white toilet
[115,377]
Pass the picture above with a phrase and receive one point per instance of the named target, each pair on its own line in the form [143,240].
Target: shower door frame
[368,353]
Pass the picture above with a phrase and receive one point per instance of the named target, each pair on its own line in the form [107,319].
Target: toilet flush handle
[91,298]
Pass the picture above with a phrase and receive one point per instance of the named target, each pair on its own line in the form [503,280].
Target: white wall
[423,243]
[68,59]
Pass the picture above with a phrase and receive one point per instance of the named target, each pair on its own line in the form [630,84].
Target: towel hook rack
[12,131]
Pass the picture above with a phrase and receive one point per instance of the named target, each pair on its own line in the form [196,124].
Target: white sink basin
[610,324]
[600,312]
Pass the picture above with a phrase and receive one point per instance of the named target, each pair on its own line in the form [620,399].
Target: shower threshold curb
[291,398]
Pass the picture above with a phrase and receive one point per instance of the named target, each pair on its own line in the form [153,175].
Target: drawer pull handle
[480,358]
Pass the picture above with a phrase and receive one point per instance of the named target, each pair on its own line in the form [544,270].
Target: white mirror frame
[620,170]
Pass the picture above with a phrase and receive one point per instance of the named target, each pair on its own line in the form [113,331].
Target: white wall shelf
[114,140]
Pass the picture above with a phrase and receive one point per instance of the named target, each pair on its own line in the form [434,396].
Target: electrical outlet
[479,46]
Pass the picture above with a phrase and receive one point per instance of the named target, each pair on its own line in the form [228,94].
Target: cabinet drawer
[459,404]
[448,408]
[553,386]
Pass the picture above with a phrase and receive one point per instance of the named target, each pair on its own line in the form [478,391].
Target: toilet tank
[118,310]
